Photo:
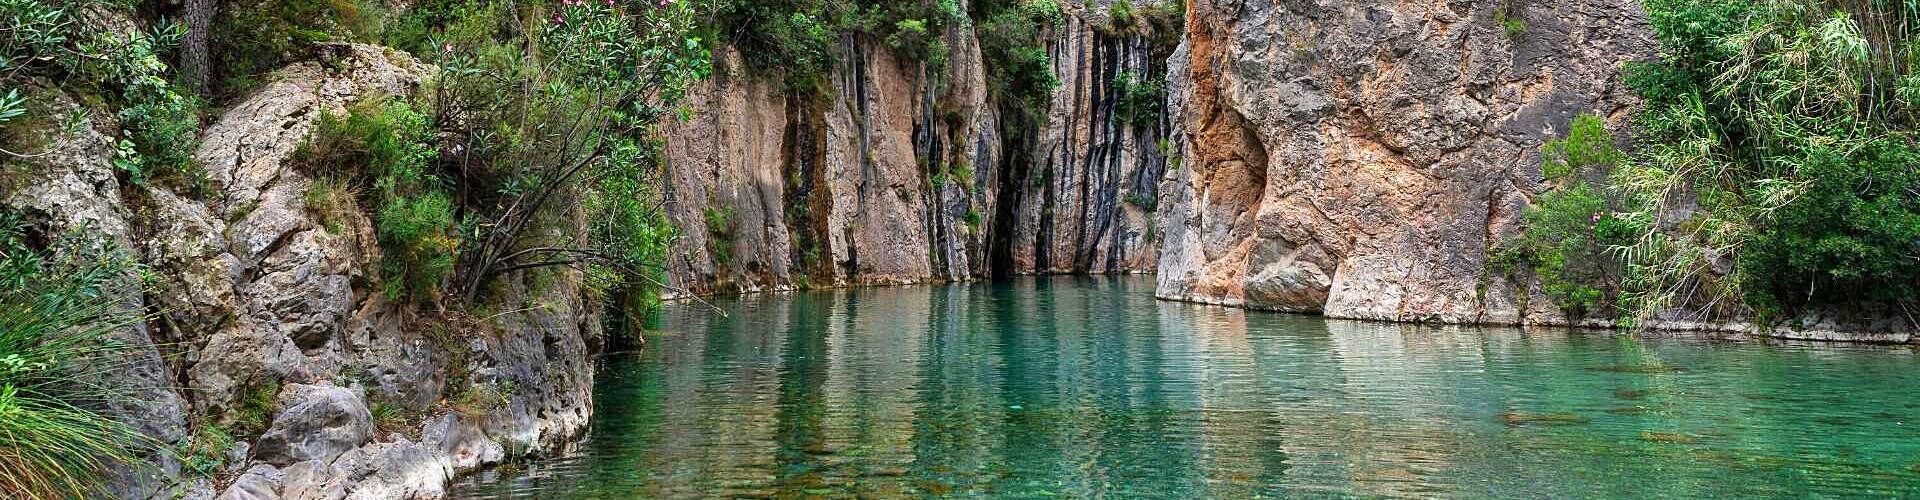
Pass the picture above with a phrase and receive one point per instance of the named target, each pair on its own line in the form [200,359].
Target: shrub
[1120,16]
[206,449]
[1012,42]
[74,43]
[720,235]
[54,315]
[1141,200]
[1572,230]
[386,148]
[1138,101]
[1779,136]
[251,40]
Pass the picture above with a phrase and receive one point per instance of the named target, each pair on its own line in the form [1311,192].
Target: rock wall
[900,173]
[1359,158]
[261,305]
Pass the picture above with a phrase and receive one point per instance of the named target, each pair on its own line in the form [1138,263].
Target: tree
[194,57]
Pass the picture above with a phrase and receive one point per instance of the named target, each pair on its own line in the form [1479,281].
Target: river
[1088,387]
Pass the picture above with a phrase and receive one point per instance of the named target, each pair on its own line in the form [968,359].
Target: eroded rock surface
[1359,158]
[315,422]
[902,175]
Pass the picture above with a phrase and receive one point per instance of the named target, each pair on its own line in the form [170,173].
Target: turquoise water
[1087,387]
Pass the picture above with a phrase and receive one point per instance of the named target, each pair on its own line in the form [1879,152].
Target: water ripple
[1086,387]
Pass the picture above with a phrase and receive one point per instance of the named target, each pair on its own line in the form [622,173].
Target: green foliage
[56,311]
[1120,16]
[552,114]
[800,38]
[389,147]
[1138,101]
[75,43]
[1572,229]
[1141,200]
[250,40]
[482,399]
[963,171]
[1013,43]
[1781,137]
[254,411]
[972,220]
[720,235]
[206,450]
[1587,147]
[1513,27]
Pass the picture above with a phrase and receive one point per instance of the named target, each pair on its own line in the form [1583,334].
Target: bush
[72,42]
[1138,101]
[248,41]
[1779,136]
[1570,234]
[55,312]
[1012,41]
[720,235]
[388,147]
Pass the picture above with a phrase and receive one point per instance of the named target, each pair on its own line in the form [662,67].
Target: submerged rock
[1524,418]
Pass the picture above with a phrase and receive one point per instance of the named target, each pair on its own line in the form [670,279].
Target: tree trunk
[194,59]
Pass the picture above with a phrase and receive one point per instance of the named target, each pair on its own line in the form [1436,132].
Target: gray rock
[315,422]
[262,482]
[71,188]
[462,441]
[382,471]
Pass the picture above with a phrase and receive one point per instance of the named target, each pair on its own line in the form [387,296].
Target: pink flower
[448,48]
[1596,216]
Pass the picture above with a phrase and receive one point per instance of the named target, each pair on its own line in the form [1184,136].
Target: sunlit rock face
[906,173]
[1359,158]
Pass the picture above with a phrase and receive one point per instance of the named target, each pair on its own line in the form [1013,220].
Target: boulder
[315,422]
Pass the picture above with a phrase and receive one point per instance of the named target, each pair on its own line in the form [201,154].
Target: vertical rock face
[1087,206]
[1359,158]
[900,173]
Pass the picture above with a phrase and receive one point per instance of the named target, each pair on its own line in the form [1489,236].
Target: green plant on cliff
[388,146]
[56,311]
[249,40]
[551,119]
[1013,36]
[1571,232]
[1779,149]
[1139,101]
[720,235]
[531,149]
[78,45]
[1511,16]
[802,39]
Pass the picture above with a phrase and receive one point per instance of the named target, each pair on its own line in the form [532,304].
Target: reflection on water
[1085,387]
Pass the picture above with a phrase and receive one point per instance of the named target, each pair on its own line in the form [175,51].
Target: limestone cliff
[907,173]
[262,307]
[1360,158]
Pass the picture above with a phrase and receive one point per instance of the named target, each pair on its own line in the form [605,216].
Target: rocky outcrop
[907,173]
[71,188]
[268,307]
[1360,158]
[314,422]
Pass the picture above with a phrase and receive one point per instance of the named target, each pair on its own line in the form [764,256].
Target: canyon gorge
[1359,159]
